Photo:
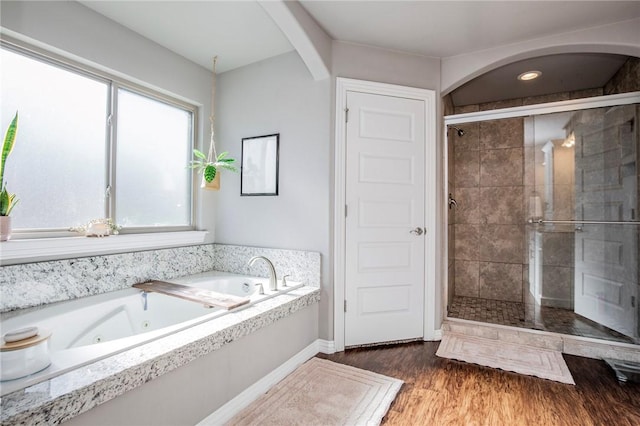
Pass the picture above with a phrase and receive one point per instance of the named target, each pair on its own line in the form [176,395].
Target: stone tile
[543,99]
[500,281]
[451,280]
[522,315]
[627,79]
[447,105]
[470,141]
[451,211]
[467,275]
[509,103]
[501,243]
[529,160]
[501,205]
[452,240]
[505,133]
[451,157]
[473,330]
[467,167]
[501,167]
[464,109]
[466,242]
[586,93]
[531,339]
[557,248]
[600,350]
[557,287]
[468,208]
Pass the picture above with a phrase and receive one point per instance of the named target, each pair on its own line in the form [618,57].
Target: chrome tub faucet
[273,286]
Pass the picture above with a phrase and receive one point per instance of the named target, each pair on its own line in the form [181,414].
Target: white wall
[278,95]
[78,33]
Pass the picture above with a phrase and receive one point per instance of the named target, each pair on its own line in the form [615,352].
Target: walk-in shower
[544,230]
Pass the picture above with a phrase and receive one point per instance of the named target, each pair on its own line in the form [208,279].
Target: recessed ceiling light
[529,75]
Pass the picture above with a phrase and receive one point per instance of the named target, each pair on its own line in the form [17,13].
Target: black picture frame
[259,169]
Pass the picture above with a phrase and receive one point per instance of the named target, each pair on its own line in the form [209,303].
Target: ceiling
[560,73]
[241,32]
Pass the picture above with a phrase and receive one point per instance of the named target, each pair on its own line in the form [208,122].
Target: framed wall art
[259,168]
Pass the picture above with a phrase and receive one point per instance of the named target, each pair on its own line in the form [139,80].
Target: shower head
[460,131]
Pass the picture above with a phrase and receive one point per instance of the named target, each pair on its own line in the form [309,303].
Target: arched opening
[544,230]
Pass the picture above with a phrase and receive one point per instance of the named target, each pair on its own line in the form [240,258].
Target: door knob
[417,231]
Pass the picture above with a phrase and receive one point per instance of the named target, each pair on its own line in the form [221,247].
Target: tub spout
[145,301]
[273,286]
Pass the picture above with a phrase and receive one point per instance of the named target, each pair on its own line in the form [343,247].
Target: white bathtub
[91,328]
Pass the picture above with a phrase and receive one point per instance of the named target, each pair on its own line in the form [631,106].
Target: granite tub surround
[302,266]
[68,395]
[34,284]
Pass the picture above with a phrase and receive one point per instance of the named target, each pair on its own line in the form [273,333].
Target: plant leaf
[210,172]
[7,145]
[5,202]
[228,166]
[222,155]
[199,154]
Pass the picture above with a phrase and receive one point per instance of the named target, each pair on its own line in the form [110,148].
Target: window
[90,147]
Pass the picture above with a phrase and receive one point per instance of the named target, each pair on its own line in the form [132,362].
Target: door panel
[606,274]
[384,285]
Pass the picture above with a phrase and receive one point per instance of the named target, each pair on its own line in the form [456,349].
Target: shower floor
[534,317]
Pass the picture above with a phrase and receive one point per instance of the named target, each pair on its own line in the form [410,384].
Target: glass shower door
[586,235]
[606,215]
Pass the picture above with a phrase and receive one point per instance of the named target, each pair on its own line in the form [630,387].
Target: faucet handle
[284,280]
[260,288]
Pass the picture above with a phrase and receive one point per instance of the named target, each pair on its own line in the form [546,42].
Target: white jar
[24,357]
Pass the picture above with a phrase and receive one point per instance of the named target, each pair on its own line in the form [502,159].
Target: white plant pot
[5,228]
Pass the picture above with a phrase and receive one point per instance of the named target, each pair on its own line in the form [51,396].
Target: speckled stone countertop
[75,392]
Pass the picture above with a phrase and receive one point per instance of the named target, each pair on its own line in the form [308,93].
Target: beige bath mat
[322,392]
[532,361]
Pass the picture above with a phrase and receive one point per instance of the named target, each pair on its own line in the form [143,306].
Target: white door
[385,197]
[606,274]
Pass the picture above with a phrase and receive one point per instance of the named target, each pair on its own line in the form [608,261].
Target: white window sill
[43,249]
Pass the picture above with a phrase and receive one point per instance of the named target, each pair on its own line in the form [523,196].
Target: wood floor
[439,391]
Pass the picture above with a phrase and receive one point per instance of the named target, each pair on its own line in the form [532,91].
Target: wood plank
[194,294]
[440,391]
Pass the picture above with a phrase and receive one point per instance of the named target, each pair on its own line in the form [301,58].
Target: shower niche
[545,232]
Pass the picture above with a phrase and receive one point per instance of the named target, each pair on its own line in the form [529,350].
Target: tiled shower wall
[487,236]
[489,219]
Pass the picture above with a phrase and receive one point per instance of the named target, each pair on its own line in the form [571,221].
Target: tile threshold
[572,345]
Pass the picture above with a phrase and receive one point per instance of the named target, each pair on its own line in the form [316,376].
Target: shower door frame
[513,112]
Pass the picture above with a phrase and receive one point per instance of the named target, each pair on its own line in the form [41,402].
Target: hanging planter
[211,169]
[211,164]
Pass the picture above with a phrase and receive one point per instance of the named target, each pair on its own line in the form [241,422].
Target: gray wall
[278,95]
[77,32]
[387,66]
[190,393]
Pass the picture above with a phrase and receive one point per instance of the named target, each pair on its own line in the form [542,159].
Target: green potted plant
[209,168]
[7,199]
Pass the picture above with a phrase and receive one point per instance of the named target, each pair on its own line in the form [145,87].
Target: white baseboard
[326,346]
[231,408]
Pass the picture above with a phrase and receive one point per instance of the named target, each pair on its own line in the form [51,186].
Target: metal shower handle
[452,202]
